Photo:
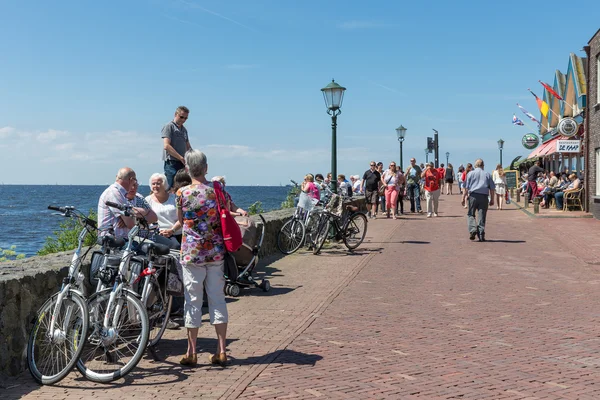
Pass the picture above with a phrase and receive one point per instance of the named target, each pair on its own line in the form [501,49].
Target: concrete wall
[26,284]
[593,117]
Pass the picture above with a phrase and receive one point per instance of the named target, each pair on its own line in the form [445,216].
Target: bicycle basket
[335,205]
[306,202]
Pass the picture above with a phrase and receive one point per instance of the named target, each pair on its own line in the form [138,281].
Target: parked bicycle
[118,321]
[340,222]
[61,324]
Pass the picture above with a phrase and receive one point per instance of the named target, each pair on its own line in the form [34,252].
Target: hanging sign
[568,127]
[568,146]
[530,141]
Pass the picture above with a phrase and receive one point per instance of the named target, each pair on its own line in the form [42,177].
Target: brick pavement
[419,311]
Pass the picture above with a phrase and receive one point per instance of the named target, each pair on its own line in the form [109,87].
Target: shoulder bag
[232,235]
[382,187]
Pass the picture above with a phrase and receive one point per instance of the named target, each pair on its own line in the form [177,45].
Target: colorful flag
[517,121]
[531,117]
[542,105]
[550,90]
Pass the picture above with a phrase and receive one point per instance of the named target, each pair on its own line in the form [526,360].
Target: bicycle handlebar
[60,209]
[116,205]
[70,211]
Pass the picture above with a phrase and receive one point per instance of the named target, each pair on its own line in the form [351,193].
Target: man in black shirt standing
[532,179]
[370,187]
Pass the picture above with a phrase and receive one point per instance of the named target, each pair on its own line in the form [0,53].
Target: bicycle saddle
[156,249]
[111,241]
[351,208]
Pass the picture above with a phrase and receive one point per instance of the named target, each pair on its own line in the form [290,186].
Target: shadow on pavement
[342,251]
[280,357]
[406,242]
[504,241]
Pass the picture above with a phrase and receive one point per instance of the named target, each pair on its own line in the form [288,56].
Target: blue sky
[86,86]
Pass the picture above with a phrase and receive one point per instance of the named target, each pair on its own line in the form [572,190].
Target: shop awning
[546,149]
[541,150]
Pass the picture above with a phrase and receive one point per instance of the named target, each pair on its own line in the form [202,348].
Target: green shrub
[255,208]
[66,237]
[292,194]
[10,254]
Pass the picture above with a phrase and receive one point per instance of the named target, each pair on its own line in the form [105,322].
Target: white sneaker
[435,214]
[428,215]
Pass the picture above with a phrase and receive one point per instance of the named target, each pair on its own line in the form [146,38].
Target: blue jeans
[412,190]
[171,168]
[559,200]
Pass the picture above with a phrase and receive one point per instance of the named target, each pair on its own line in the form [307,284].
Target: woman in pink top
[391,179]
[309,187]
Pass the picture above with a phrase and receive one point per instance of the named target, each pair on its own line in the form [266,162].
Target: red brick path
[419,311]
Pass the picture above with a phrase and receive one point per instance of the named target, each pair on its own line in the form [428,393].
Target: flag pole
[549,109]
[556,95]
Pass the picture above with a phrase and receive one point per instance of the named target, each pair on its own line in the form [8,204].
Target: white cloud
[6,131]
[50,135]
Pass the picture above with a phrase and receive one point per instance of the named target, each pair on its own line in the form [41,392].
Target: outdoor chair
[573,199]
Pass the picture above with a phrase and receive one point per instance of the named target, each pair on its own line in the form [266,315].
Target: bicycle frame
[118,285]
[72,282]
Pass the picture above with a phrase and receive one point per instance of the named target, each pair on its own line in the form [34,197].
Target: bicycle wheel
[311,230]
[355,231]
[52,355]
[158,309]
[111,353]
[322,234]
[291,236]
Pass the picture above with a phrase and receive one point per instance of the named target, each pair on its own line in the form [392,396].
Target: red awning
[546,149]
[540,150]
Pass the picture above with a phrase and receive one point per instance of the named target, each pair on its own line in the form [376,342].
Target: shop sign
[568,146]
[568,127]
[530,141]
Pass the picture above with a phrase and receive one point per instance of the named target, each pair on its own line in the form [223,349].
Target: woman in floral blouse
[202,253]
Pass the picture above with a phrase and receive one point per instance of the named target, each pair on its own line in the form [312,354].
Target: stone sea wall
[26,284]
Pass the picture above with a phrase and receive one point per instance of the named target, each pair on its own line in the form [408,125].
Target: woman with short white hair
[202,255]
[163,204]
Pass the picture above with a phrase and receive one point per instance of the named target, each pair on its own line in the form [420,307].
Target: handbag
[382,187]
[232,235]
[175,278]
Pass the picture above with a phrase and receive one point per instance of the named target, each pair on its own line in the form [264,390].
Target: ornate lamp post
[333,95]
[500,147]
[447,157]
[401,132]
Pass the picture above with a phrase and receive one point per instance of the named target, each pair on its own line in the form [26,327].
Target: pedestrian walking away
[449,178]
[371,181]
[175,143]
[433,181]
[479,185]
[413,177]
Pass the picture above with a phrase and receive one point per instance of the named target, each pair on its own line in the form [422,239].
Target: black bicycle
[350,226]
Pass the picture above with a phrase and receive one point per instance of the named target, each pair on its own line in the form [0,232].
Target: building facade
[592,128]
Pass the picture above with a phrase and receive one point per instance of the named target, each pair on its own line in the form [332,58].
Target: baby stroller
[245,259]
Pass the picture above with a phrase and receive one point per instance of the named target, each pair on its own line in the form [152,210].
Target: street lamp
[333,95]
[500,147]
[426,156]
[447,157]
[436,148]
[401,132]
